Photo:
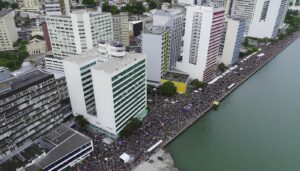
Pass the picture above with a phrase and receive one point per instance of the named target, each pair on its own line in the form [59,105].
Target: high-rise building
[212,3]
[121,28]
[75,33]
[232,37]
[29,106]
[264,18]
[57,7]
[52,7]
[203,31]
[8,30]
[156,47]
[228,4]
[107,86]
[174,19]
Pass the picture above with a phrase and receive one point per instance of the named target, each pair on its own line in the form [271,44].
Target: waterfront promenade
[167,119]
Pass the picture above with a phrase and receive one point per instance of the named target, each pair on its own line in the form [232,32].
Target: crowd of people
[169,116]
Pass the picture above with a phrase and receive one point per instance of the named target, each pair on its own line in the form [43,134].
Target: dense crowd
[169,116]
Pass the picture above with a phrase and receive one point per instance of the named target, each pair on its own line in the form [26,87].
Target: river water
[256,128]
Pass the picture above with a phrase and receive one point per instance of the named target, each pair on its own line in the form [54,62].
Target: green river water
[256,128]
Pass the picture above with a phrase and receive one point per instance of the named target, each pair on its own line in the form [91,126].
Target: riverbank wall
[237,84]
[231,90]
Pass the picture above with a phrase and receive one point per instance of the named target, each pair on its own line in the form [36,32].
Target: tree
[168,1]
[27,21]
[105,7]
[222,67]
[81,121]
[152,4]
[134,8]
[150,90]
[196,84]
[246,43]
[14,5]
[114,9]
[281,36]
[89,2]
[132,125]
[168,89]
[4,4]
[139,7]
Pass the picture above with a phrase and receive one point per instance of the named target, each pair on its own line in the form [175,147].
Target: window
[264,11]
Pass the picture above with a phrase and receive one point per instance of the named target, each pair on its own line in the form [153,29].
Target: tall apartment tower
[57,7]
[121,28]
[174,19]
[156,47]
[203,30]
[264,18]
[107,86]
[232,37]
[228,4]
[75,33]
[8,30]
[29,106]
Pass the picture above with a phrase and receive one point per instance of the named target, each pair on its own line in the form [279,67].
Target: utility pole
[132,162]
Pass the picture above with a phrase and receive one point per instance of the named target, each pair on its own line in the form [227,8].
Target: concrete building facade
[107,86]
[121,28]
[174,19]
[264,18]
[57,7]
[156,47]
[203,31]
[8,30]
[36,45]
[29,107]
[232,38]
[73,34]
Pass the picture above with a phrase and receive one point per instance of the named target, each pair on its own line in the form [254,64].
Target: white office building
[232,38]
[8,30]
[264,18]
[203,31]
[75,33]
[174,19]
[156,46]
[107,86]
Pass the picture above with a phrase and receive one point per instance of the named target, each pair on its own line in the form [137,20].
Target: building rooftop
[87,56]
[114,64]
[105,63]
[4,12]
[65,140]
[172,11]
[135,22]
[22,80]
[120,14]
[57,74]
[156,30]
[176,76]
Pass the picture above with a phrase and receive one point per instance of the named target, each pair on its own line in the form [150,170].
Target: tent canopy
[125,158]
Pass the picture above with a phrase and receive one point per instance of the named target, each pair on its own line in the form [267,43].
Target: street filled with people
[169,116]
